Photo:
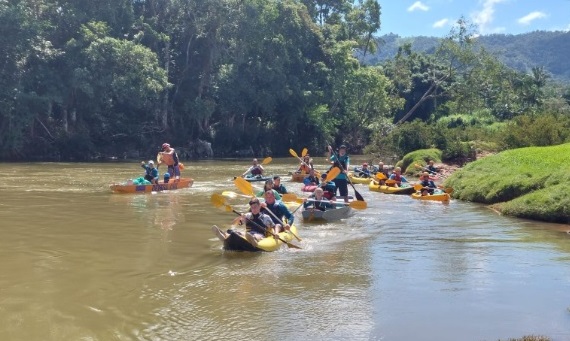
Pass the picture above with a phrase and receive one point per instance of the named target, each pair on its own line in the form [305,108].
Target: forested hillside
[521,52]
[83,80]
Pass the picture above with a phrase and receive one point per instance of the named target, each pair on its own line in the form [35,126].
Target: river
[81,263]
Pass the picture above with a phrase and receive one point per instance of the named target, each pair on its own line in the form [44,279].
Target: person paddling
[151,173]
[398,177]
[255,170]
[343,161]
[318,201]
[169,157]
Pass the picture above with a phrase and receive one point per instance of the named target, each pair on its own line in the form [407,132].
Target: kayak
[254,178]
[333,214]
[435,197]
[161,186]
[298,177]
[309,188]
[236,241]
[373,186]
[358,180]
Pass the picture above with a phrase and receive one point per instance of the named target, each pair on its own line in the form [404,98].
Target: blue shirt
[345,161]
[279,209]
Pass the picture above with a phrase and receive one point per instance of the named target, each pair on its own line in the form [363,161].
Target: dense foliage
[117,78]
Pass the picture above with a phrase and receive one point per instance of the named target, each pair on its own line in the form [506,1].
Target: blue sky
[436,17]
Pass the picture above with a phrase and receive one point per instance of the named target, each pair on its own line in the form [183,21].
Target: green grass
[527,182]
[421,157]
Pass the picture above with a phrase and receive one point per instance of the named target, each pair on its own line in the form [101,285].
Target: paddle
[356,194]
[219,201]
[431,173]
[246,188]
[233,195]
[304,152]
[358,205]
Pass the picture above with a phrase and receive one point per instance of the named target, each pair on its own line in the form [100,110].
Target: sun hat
[150,162]
[342,147]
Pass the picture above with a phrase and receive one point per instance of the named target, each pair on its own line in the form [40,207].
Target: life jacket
[252,222]
[304,168]
[256,171]
[168,158]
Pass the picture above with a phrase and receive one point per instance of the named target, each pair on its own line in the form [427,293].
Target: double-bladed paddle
[357,204]
[220,202]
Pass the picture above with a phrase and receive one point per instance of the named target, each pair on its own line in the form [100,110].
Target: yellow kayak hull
[389,189]
[434,197]
[237,242]
[358,180]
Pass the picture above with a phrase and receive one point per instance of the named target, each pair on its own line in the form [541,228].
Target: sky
[436,17]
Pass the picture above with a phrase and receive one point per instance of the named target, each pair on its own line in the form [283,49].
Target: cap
[164,145]
[342,147]
[150,162]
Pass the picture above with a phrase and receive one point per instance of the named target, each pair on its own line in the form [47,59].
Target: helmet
[150,162]
[164,145]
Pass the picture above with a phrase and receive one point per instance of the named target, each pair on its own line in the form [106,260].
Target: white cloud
[440,23]
[527,19]
[418,5]
[484,17]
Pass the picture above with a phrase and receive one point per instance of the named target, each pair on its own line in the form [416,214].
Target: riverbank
[531,183]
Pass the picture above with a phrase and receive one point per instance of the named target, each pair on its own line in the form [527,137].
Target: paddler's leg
[219,233]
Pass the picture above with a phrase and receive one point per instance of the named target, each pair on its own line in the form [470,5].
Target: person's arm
[261,169]
[287,214]
[283,189]
[247,171]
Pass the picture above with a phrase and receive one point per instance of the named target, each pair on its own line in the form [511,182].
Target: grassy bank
[531,183]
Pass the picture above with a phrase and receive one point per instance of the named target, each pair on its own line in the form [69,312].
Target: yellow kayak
[358,180]
[435,197]
[236,241]
[373,186]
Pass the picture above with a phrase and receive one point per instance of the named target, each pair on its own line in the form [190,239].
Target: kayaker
[169,157]
[255,170]
[268,186]
[398,177]
[364,171]
[306,165]
[343,162]
[278,186]
[329,188]
[257,223]
[151,173]
[382,169]
[311,179]
[279,211]
[318,201]
[428,185]
[431,168]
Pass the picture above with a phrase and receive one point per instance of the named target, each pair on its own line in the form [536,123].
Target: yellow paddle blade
[304,152]
[217,200]
[390,182]
[418,187]
[380,176]
[293,153]
[267,160]
[244,186]
[358,205]
[333,173]
[448,190]
[289,197]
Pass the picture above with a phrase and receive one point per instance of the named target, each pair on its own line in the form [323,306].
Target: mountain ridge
[522,52]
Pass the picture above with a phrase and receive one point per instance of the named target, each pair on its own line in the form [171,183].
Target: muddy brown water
[81,263]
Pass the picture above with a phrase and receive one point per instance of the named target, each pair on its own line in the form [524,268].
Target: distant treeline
[81,80]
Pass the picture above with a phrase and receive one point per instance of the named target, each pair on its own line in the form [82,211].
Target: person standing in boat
[317,201]
[258,225]
[169,157]
[151,173]
[279,211]
[255,170]
[278,186]
[343,162]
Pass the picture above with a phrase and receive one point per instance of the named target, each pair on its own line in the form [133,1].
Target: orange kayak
[161,186]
